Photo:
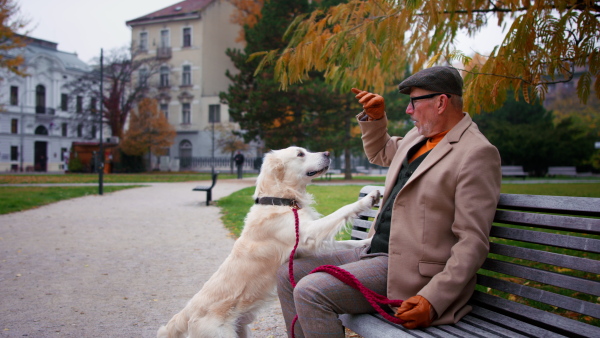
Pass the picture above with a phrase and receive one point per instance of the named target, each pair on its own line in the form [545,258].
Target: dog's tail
[177,327]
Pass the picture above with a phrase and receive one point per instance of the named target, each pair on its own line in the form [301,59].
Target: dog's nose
[326,154]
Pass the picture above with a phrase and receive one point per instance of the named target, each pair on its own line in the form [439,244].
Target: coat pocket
[430,269]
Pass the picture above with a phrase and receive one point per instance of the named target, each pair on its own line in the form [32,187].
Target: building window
[14,153]
[64,102]
[14,126]
[93,132]
[93,102]
[164,38]
[63,129]
[164,76]
[41,130]
[185,113]
[14,95]
[40,99]
[143,78]
[214,113]
[79,130]
[79,104]
[63,154]
[144,41]
[187,37]
[164,107]
[186,78]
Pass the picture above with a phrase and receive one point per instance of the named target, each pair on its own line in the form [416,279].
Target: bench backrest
[544,255]
[214,179]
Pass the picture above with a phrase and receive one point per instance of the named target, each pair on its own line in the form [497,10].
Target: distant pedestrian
[239,163]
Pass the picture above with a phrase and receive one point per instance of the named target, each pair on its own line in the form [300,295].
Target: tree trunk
[347,159]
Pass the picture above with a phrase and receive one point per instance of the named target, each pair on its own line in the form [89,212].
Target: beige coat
[441,218]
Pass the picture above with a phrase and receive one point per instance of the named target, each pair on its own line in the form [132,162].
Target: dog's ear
[273,166]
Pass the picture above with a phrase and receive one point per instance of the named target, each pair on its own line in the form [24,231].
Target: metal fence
[359,164]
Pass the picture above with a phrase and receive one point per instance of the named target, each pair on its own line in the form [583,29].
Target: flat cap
[439,79]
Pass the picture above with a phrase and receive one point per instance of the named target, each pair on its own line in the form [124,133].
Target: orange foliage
[9,39]
[247,13]
[149,130]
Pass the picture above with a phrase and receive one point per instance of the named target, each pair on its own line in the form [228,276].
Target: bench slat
[555,222]
[490,327]
[538,237]
[552,278]
[357,234]
[368,213]
[554,204]
[571,262]
[551,298]
[516,325]
[536,317]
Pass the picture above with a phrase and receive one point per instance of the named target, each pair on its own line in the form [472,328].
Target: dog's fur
[228,301]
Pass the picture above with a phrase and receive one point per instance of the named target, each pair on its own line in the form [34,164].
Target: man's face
[424,114]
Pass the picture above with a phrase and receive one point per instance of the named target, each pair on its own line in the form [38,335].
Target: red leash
[372,297]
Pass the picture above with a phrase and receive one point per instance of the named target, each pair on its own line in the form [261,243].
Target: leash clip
[294,204]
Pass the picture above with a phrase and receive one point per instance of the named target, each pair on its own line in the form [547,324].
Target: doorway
[40,156]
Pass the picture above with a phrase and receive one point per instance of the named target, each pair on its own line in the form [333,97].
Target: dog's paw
[370,199]
[375,195]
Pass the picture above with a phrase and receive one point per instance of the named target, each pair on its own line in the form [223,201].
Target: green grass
[108,178]
[329,198]
[13,199]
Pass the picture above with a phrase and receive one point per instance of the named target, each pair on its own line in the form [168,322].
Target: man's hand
[416,312]
[373,104]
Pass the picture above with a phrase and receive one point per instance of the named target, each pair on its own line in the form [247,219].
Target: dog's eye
[300,154]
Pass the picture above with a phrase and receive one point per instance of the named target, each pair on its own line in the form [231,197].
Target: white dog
[228,301]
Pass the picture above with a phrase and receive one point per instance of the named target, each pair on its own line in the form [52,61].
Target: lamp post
[101,117]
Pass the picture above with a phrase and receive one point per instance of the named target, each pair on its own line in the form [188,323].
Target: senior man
[432,231]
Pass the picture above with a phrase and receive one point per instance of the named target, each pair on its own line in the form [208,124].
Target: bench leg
[208,196]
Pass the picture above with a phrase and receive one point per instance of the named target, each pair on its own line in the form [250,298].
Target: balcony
[163,52]
[44,110]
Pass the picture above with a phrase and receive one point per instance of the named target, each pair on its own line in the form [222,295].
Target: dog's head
[290,169]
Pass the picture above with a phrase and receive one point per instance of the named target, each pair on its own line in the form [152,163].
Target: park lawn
[13,199]
[108,178]
[329,198]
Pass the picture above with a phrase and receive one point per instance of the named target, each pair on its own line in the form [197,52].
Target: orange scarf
[430,144]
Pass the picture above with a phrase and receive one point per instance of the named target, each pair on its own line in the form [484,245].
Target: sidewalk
[117,265]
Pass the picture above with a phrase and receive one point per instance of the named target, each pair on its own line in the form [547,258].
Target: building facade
[189,39]
[37,126]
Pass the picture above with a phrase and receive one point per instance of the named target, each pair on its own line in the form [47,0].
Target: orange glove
[416,312]
[373,104]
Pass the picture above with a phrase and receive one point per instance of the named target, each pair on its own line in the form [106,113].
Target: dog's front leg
[314,233]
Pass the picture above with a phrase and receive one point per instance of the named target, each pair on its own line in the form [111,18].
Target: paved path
[117,265]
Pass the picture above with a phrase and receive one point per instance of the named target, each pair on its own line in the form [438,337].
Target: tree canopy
[10,24]
[149,130]
[370,44]
[525,134]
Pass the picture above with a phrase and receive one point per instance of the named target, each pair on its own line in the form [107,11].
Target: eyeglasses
[428,96]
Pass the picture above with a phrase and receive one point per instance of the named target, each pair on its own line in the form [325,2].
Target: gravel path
[117,265]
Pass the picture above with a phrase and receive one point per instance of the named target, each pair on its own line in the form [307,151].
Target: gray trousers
[319,297]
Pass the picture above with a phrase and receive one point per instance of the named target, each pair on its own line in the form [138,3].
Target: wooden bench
[513,171]
[547,249]
[208,189]
[562,171]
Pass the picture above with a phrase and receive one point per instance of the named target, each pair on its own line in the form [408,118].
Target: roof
[183,9]
[35,47]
